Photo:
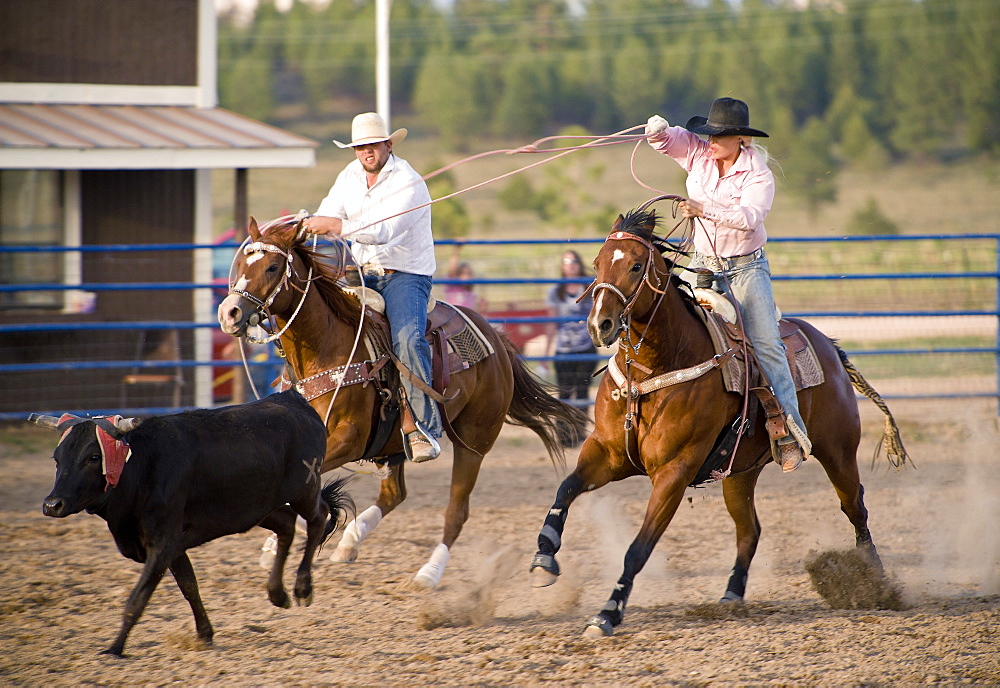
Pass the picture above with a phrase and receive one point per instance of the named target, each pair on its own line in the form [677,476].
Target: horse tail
[534,406]
[894,450]
[339,502]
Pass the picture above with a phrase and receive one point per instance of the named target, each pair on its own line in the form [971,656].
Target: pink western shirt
[735,205]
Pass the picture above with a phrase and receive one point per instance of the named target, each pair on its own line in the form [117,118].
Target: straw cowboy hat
[369,127]
[727,117]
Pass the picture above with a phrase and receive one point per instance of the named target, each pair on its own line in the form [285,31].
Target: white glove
[656,125]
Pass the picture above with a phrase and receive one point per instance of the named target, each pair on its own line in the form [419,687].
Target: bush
[870,220]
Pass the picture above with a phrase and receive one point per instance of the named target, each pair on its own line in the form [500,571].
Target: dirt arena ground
[63,583]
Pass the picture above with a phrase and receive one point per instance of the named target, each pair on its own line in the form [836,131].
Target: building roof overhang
[92,137]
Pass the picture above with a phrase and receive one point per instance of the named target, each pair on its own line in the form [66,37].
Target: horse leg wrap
[550,537]
[431,573]
[359,529]
[614,609]
[599,625]
[737,585]
[866,548]
[355,533]
[546,562]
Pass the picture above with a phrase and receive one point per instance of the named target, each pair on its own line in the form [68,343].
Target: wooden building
[109,134]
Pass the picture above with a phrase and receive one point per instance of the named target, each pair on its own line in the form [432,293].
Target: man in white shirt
[394,250]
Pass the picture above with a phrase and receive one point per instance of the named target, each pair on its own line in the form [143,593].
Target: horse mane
[642,223]
[324,277]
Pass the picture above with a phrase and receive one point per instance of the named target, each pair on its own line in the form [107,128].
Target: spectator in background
[461,294]
[572,376]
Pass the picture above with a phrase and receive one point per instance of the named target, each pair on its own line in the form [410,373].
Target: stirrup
[420,445]
[791,455]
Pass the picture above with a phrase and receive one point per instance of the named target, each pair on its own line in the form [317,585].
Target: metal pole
[241,218]
[382,8]
[241,204]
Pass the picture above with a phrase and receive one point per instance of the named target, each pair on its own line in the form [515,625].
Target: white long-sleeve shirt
[735,205]
[402,243]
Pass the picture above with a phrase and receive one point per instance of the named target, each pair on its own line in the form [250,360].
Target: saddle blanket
[802,360]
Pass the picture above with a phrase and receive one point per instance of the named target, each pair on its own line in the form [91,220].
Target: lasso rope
[594,141]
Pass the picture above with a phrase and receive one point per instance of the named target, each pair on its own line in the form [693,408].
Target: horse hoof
[344,555]
[304,601]
[598,627]
[731,597]
[280,600]
[540,578]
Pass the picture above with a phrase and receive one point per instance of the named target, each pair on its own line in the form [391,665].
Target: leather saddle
[718,312]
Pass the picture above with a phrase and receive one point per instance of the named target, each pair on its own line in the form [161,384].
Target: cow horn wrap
[126,424]
[50,422]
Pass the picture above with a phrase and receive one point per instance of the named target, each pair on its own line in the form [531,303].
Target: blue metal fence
[982,307]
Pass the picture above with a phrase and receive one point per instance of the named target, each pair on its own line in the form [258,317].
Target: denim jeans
[751,286]
[406,296]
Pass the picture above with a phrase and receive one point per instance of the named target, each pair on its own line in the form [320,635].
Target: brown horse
[672,430]
[319,325]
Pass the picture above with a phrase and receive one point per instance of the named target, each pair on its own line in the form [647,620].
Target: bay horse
[639,300]
[320,324]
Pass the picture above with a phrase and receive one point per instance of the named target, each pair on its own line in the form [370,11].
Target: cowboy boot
[423,447]
[791,456]
[418,445]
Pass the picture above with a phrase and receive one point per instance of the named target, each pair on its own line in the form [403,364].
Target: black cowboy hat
[727,117]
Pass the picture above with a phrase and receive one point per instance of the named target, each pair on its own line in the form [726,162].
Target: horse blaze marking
[598,306]
[254,257]
[617,255]
[242,283]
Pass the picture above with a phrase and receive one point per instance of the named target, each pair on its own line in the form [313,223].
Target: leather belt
[371,270]
[722,264]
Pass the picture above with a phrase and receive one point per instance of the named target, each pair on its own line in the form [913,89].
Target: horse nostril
[605,325]
[234,313]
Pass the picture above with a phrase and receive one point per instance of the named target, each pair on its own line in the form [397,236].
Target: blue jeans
[751,287]
[406,296]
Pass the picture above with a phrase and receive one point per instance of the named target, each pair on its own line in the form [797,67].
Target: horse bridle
[629,301]
[263,305]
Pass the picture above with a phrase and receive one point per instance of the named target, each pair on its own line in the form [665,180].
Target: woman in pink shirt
[730,190]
